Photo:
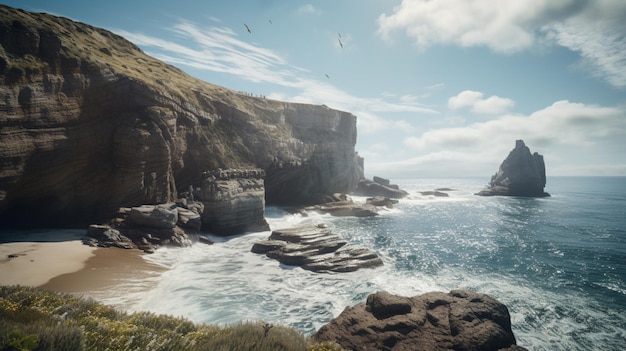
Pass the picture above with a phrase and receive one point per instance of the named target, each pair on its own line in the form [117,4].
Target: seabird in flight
[247,28]
[340,43]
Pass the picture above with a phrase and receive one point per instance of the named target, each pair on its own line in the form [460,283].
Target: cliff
[90,124]
[520,174]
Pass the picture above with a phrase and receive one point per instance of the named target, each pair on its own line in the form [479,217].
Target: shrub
[258,336]
[17,340]
[34,319]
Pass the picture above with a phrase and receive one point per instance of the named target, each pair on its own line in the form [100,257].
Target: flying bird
[247,28]
[270,21]
[340,43]
[327,76]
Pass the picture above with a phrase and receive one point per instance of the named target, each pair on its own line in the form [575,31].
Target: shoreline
[72,267]
[34,263]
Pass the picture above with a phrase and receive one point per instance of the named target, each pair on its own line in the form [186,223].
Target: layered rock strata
[520,174]
[234,201]
[459,320]
[90,124]
[317,249]
[379,187]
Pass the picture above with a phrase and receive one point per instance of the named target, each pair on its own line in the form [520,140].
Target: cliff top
[49,43]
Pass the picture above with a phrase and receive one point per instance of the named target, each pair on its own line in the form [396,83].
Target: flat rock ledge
[437,321]
[316,249]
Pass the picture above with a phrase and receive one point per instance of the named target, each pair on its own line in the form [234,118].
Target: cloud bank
[594,29]
[567,133]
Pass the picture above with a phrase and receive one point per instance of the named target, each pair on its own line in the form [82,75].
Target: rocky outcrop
[234,201]
[149,227]
[378,187]
[520,174]
[91,124]
[459,320]
[315,248]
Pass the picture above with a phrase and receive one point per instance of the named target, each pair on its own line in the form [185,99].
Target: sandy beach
[36,263]
[69,266]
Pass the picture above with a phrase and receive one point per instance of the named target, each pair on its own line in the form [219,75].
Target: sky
[440,88]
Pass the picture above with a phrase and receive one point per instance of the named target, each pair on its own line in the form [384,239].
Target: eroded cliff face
[89,123]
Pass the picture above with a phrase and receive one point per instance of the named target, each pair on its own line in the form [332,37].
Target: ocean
[558,263]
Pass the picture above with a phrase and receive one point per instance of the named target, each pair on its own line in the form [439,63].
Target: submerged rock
[435,193]
[520,174]
[317,249]
[459,320]
[346,208]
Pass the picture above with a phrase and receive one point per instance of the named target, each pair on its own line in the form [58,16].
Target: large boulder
[459,320]
[520,174]
[90,123]
[163,216]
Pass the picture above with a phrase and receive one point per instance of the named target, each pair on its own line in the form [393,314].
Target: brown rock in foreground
[459,320]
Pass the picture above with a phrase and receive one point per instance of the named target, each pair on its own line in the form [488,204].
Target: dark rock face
[379,187]
[316,249]
[459,320]
[520,174]
[146,227]
[91,124]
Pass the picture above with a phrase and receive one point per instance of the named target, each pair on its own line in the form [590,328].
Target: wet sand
[105,274]
[108,269]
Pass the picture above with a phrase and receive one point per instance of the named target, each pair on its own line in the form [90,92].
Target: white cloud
[504,27]
[474,100]
[594,29]
[563,122]
[603,51]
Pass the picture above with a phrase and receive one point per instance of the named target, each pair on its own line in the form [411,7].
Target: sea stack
[520,174]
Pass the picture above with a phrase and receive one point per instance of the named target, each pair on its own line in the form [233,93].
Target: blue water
[558,263]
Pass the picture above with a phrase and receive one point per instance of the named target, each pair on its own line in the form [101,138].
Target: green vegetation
[35,319]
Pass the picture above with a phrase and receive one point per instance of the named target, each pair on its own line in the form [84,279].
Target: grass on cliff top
[35,319]
[104,49]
